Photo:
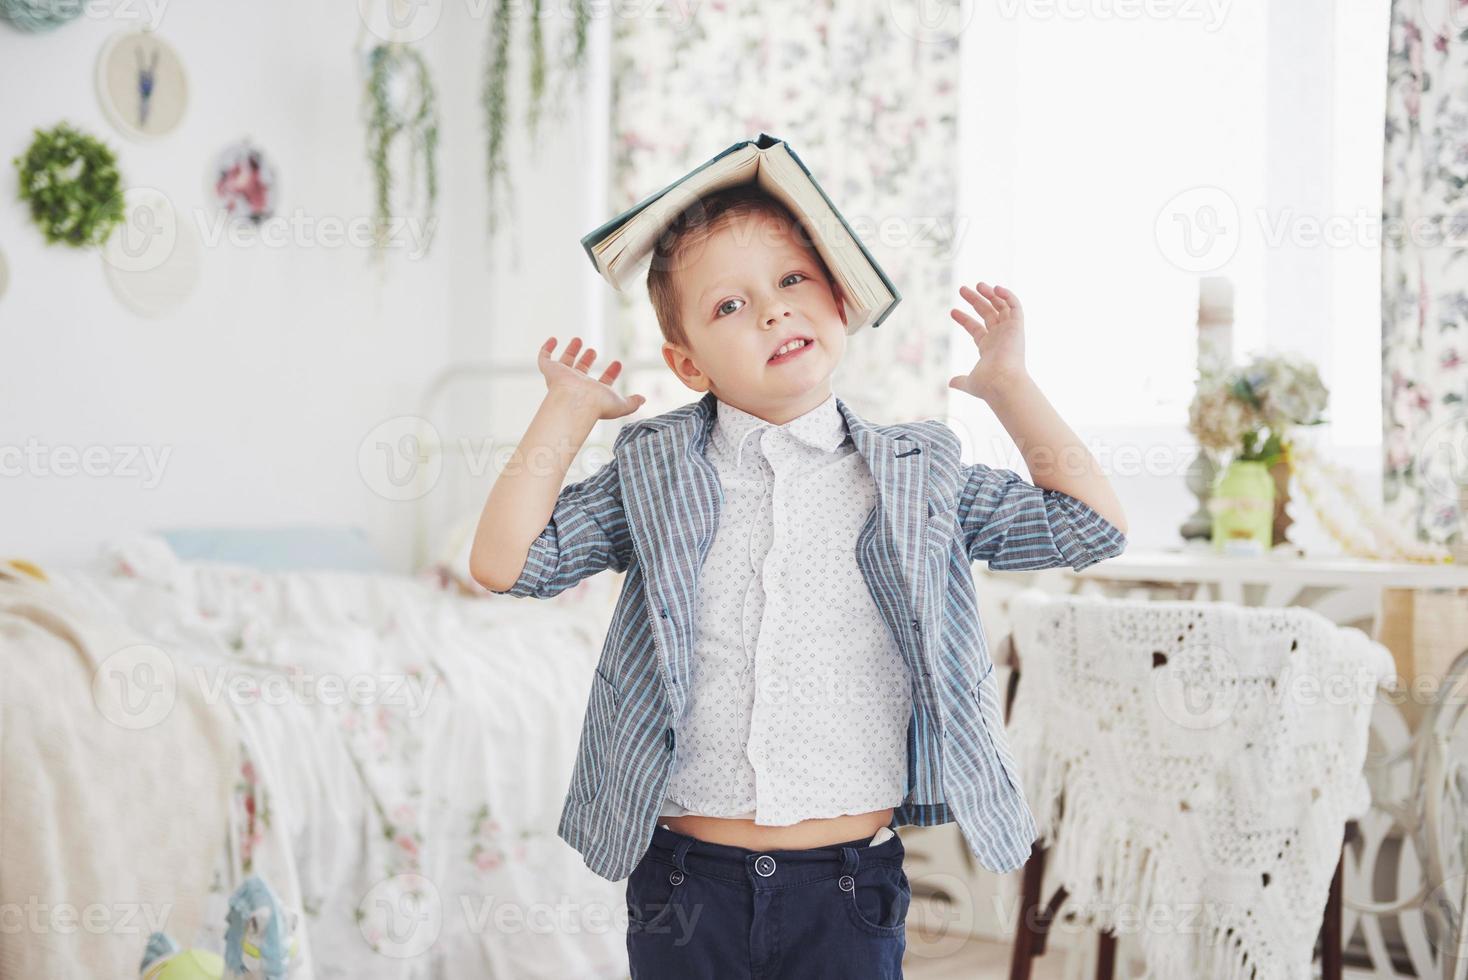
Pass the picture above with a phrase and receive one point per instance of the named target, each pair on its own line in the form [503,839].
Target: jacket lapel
[671,497]
[899,466]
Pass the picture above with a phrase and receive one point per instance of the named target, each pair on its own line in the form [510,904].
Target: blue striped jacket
[651,512]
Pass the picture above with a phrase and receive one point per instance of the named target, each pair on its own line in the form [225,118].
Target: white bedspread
[403,756]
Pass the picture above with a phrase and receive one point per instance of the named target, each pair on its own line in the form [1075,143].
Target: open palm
[999,337]
[568,372]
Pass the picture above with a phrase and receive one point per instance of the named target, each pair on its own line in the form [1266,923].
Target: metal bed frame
[432,444]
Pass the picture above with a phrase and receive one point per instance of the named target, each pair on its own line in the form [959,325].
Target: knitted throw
[1191,766]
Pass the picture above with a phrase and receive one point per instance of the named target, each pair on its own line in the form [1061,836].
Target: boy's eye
[724,309]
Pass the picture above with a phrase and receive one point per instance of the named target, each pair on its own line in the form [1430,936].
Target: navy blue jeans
[703,911]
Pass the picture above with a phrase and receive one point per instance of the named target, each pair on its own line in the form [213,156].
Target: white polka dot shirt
[800,699]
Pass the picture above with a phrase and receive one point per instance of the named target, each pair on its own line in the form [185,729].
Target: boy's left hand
[1000,339]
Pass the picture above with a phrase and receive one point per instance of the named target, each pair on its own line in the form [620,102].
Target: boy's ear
[681,363]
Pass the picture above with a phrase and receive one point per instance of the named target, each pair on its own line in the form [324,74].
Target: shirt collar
[821,428]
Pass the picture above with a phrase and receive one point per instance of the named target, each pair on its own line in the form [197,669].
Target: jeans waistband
[771,868]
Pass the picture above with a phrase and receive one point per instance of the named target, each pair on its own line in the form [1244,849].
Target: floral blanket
[403,753]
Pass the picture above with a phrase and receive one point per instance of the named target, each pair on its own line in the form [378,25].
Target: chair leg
[1331,941]
[1029,938]
[1106,956]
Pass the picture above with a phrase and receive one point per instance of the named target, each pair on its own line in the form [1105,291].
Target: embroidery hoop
[153,259]
[116,73]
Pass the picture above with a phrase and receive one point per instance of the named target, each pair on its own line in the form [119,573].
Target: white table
[1345,590]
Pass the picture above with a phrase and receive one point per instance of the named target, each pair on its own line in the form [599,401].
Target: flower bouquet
[1246,416]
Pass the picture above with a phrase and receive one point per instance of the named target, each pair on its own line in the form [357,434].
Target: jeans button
[676,877]
[765,865]
[847,883]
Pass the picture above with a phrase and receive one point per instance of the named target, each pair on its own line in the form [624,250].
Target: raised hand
[1000,339]
[569,373]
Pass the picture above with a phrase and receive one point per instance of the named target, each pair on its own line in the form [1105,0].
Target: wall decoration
[401,102]
[245,183]
[71,183]
[39,15]
[153,259]
[494,97]
[141,84]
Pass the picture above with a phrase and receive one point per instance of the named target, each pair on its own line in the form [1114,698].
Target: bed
[389,752]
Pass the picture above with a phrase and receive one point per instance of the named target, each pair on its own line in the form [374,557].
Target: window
[1095,140]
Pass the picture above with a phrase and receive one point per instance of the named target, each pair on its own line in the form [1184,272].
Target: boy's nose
[771,320]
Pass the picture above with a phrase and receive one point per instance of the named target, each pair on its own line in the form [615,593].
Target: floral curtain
[1425,267]
[867,95]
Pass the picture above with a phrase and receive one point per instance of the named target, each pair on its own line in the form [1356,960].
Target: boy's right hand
[569,374]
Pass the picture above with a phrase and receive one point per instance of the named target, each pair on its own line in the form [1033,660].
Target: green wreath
[71,182]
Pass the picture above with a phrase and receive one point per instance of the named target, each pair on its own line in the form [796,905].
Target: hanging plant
[495,95]
[71,183]
[401,103]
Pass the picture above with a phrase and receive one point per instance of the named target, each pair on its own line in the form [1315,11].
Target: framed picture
[141,85]
[244,183]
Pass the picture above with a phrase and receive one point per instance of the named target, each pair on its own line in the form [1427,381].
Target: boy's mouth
[790,349]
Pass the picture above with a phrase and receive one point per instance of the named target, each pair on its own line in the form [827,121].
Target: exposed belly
[758,837]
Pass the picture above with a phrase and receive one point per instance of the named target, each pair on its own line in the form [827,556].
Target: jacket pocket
[596,737]
[986,694]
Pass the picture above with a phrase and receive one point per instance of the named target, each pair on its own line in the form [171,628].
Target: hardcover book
[621,250]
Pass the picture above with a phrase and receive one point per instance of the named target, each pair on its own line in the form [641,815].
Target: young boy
[795,666]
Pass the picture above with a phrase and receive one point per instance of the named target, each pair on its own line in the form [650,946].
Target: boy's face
[749,288]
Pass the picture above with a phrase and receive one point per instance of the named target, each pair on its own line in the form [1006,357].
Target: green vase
[1243,508]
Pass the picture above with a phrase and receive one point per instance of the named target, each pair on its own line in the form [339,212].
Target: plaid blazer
[651,512]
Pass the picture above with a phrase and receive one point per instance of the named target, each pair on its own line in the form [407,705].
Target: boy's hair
[694,225]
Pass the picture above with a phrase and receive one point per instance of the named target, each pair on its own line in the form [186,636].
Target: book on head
[621,249]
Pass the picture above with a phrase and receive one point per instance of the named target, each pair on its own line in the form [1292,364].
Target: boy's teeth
[787,348]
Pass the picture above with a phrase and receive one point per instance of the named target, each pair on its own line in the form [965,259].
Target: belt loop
[680,854]
[850,860]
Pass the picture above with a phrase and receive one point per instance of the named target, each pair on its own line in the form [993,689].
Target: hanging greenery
[401,103]
[495,95]
[71,183]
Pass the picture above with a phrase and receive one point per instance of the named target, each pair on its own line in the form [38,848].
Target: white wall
[262,386]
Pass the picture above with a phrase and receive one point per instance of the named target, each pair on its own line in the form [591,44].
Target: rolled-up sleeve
[587,533]
[1014,525]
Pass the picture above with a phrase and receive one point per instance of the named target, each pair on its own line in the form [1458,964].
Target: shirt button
[668,737]
[917,625]
[665,612]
